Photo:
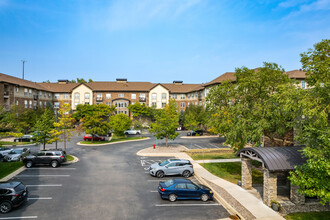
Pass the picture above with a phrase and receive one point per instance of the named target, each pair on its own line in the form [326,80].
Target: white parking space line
[173,205]
[21,217]
[44,185]
[154,191]
[43,198]
[213,145]
[154,180]
[43,175]
[196,145]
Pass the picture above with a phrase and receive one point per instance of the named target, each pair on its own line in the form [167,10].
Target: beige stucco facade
[158,96]
[81,95]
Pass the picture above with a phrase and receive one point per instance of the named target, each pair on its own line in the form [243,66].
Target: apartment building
[120,93]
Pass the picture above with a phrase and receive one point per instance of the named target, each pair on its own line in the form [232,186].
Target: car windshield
[15,152]
[169,183]
[165,162]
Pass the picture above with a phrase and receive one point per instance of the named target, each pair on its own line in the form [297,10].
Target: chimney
[177,82]
[121,80]
[300,69]
[63,81]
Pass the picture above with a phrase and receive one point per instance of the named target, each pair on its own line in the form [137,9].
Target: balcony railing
[99,99]
[142,99]
[6,94]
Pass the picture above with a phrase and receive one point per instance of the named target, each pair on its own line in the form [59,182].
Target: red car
[88,137]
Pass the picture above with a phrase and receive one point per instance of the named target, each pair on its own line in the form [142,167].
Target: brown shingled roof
[20,82]
[296,74]
[223,77]
[57,87]
[183,88]
[117,86]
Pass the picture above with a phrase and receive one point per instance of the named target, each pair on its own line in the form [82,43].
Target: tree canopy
[167,120]
[43,127]
[120,123]
[195,117]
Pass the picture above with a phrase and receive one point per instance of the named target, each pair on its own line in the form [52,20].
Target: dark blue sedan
[183,189]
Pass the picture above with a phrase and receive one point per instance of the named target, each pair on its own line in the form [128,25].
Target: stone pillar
[270,187]
[295,196]
[246,173]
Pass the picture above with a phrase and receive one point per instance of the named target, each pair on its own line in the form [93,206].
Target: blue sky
[155,40]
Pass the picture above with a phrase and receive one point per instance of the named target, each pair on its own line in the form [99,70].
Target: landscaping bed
[114,139]
[14,143]
[232,172]
[308,216]
[8,168]
[209,156]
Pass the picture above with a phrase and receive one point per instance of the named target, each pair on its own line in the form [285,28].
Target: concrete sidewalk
[235,199]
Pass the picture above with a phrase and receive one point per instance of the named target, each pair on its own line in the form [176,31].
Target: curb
[75,160]
[197,137]
[16,172]
[113,142]
[20,145]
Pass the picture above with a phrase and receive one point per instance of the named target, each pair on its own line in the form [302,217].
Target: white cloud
[318,5]
[134,14]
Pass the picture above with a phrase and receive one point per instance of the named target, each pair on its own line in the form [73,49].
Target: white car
[4,151]
[132,131]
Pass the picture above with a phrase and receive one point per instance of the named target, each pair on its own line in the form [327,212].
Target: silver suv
[172,167]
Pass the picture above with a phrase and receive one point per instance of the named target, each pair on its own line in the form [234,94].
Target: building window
[40,104]
[108,103]
[16,102]
[183,96]
[99,96]
[133,96]
[65,96]
[132,103]
[76,96]
[25,92]
[45,103]
[56,104]
[30,92]
[154,96]
[121,95]
[192,95]
[56,96]
[17,89]
[142,95]
[163,104]
[45,94]
[182,104]
[163,95]
[189,95]
[303,84]
[25,103]
[108,96]
[174,96]
[154,104]
[87,103]
[49,95]
[40,94]
[30,104]
[87,95]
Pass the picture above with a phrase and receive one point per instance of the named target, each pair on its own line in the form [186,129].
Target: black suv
[194,133]
[51,157]
[12,194]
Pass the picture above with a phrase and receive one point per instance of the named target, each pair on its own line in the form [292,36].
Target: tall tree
[167,120]
[195,117]
[63,127]
[313,177]
[43,126]
[142,114]
[120,123]
[249,109]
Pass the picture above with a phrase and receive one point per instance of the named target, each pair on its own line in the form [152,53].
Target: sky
[156,41]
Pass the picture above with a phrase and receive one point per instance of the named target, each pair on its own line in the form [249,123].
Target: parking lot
[196,209]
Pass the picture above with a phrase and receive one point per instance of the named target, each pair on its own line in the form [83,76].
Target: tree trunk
[44,145]
[166,142]
[65,142]
[56,145]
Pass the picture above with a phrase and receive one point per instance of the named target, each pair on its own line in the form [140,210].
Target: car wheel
[172,197]
[54,163]
[138,133]
[186,173]
[160,174]
[5,207]
[28,164]
[204,197]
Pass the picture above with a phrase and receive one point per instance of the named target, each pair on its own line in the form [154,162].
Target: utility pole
[23,61]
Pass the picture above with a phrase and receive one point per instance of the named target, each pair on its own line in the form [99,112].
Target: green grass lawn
[7,168]
[208,156]
[231,171]
[308,216]
[14,143]
[69,157]
[114,139]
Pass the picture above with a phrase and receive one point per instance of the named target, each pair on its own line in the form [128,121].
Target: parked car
[183,189]
[16,154]
[172,167]
[88,137]
[25,138]
[4,151]
[132,131]
[12,194]
[51,157]
[194,133]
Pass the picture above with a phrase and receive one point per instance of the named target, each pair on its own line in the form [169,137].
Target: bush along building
[120,93]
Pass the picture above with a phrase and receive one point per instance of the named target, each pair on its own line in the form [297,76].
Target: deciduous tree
[120,123]
[43,126]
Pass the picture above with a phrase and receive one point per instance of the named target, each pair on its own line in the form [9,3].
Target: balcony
[6,94]
[35,97]
[99,99]
[142,99]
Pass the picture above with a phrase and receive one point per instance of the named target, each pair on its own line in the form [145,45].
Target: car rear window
[19,188]
[58,153]
[169,183]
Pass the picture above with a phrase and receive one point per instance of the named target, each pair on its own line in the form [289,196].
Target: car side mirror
[166,166]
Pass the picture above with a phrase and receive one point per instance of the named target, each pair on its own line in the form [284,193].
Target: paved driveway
[109,182]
